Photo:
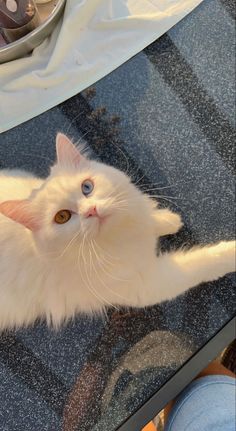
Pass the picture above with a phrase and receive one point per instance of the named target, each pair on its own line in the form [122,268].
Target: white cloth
[93,38]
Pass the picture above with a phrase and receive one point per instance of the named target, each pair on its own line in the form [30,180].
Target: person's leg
[214,368]
[207,403]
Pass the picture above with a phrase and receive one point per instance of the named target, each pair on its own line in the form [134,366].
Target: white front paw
[224,256]
[227,249]
[175,222]
[167,223]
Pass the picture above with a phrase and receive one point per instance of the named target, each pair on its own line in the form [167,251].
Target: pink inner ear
[67,154]
[21,212]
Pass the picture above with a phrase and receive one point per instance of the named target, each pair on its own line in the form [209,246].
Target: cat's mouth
[95,219]
[103,219]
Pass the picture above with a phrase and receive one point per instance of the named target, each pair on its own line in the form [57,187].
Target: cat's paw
[229,248]
[225,254]
[175,222]
[167,222]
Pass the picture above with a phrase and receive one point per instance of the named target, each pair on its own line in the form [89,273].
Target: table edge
[210,350]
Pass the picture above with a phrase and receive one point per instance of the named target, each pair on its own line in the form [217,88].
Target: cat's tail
[178,271]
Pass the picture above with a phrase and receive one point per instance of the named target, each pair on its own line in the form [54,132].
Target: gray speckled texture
[175,106]
[212,33]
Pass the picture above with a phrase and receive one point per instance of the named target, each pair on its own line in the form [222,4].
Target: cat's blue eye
[87,187]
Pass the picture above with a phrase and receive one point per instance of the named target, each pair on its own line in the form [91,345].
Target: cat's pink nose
[92,212]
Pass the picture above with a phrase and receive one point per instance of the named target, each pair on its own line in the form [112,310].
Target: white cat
[84,239]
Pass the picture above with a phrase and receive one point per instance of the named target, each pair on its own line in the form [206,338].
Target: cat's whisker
[133,174]
[151,184]
[118,208]
[121,201]
[156,184]
[94,293]
[121,206]
[78,143]
[120,194]
[125,157]
[112,195]
[104,284]
[138,181]
[117,196]
[103,269]
[102,258]
[74,119]
[76,236]
[165,199]
[89,284]
[171,197]
[155,188]
[91,290]
[105,252]
[156,198]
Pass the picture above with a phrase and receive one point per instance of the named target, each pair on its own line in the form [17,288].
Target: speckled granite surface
[171,111]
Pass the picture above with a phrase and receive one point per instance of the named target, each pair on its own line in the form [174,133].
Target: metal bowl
[26,44]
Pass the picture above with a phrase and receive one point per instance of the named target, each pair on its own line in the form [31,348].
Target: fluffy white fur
[55,271]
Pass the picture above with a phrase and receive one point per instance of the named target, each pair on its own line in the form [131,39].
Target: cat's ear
[21,212]
[67,154]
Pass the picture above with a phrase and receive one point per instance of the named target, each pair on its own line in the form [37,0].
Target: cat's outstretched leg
[167,222]
[178,271]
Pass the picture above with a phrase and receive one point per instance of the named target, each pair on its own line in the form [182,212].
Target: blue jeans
[207,404]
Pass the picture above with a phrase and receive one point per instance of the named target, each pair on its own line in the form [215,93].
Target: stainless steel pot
[26,44]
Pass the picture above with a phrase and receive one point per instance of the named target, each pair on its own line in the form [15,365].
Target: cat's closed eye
[62,216]
[87,187]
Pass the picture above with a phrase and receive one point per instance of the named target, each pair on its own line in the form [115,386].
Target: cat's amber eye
[63,216]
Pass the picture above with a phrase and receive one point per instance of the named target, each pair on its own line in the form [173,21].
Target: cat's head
[80,199]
